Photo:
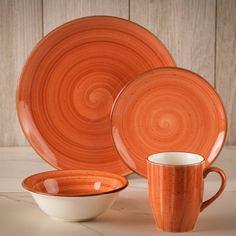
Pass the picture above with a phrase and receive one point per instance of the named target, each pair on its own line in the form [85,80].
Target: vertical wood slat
[57,12]
[20,29]
[186,27]
[226,61]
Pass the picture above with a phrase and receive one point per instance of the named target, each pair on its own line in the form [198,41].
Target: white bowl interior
[175,158]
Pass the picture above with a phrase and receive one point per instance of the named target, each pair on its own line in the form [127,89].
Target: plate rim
[35,48]
[139,77]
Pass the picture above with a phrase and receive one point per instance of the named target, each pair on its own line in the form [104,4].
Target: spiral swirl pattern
[167,109]
[69,83]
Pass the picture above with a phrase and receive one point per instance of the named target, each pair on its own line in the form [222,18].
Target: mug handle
[221,189]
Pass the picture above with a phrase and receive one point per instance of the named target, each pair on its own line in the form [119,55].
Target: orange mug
[175,182]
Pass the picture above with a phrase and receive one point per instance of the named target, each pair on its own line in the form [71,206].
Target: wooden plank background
[201,35]
[20,30]
[226,61]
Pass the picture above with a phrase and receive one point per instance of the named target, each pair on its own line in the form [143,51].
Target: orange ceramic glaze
[167,109]
[74,183]
[176,192]
[68,85]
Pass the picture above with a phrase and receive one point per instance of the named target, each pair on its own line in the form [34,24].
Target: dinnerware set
[101,97]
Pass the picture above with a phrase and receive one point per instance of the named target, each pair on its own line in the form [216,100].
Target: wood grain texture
[20,29]
[226,61]
[57,12]
[187,27]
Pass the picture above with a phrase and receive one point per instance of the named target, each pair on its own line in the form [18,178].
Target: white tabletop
[129,215]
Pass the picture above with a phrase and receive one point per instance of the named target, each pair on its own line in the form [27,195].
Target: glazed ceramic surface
[74,208]
[175,183]
[68,85]
[167,109]
[74,195]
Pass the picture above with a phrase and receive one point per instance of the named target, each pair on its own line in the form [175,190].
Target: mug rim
[176,165]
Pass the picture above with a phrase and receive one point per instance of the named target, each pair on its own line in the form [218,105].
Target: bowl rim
[86,173]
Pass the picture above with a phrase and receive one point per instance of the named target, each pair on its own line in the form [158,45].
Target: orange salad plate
[68,85]
[164,110]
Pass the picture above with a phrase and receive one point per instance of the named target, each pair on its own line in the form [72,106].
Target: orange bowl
[74,195]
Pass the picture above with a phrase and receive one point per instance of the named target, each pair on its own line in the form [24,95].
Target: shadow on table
[216,223]
[136,212]
[131,212]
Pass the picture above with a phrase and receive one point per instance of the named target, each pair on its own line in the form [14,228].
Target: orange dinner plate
[167,110]
[68,85]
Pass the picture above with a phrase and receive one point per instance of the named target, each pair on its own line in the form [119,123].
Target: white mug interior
[175,158]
